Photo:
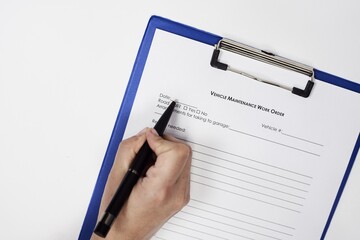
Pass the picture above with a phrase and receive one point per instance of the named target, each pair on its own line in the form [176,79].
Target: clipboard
[218,45]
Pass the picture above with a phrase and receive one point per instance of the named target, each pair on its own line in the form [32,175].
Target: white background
[64,66]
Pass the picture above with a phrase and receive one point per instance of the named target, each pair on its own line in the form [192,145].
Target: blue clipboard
[167,25]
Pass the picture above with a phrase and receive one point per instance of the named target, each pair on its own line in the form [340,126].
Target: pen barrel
[122,193]
[138,168]
[143,160]
[117,202]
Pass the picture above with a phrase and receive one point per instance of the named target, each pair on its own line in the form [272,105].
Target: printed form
[267,164]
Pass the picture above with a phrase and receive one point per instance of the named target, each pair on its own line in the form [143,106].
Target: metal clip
[266,57]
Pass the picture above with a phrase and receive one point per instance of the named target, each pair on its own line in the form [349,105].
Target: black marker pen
[138,168]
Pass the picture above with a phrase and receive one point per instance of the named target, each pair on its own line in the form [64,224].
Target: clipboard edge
[154,23]
[342,186]
[337,81]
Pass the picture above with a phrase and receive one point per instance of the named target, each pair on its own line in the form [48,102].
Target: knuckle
[181,201]
[183,150]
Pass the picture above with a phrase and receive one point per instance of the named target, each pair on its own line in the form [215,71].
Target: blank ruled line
[256,169]
[248,182]
[231,225]
[231,218]
[237,212]
[251,198]
[249,159]
[247,174]
[302,139]
[222,230]
[157,237]
[246,189]
[212,228]
[196,230]
[281,144]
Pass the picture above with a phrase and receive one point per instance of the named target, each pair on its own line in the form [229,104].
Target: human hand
[156,197]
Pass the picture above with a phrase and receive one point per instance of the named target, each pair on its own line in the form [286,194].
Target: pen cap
[104,225]
[102,229]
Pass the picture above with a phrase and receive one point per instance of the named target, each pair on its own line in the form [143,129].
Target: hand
[156,197]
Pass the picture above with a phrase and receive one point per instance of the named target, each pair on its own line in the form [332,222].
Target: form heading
[248,104]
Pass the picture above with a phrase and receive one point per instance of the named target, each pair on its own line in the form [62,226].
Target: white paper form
[267,164]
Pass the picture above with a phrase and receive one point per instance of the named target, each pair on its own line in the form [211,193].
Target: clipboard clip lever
[266,57]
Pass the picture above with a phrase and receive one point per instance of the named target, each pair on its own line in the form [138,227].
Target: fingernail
[141,132]
[154,132]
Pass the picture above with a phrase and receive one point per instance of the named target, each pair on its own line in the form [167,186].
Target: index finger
[171,158]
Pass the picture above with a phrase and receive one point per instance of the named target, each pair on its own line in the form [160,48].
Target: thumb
[157,143]
[171,157]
